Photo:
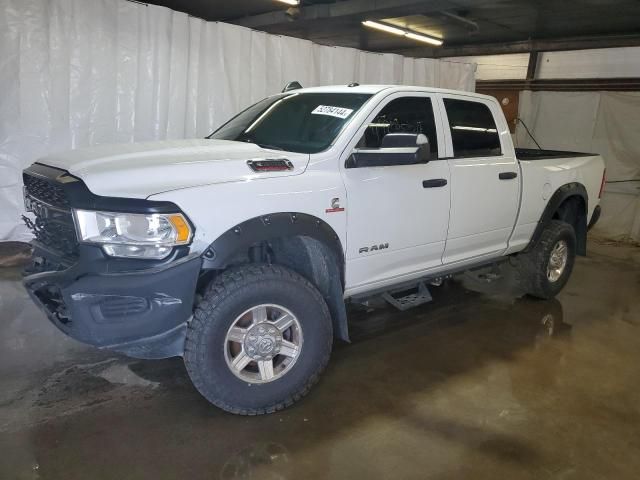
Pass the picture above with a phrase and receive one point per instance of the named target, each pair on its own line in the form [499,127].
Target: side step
[419,296]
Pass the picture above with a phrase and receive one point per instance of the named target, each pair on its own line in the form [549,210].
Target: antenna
[291,86]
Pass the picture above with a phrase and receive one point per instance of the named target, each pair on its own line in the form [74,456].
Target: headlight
[136,235]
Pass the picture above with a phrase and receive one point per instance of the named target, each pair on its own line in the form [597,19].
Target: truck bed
[536,154]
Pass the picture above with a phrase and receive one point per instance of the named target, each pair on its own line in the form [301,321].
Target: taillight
[604,180]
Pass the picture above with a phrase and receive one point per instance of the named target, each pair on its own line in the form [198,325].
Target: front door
[397,215]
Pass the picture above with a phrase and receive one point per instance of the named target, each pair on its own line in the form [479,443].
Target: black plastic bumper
[142,313]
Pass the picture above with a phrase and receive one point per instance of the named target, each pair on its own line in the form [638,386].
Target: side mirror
[403,140]
[395,149]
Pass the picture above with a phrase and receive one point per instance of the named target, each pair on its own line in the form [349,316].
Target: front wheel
[546,269]
[259,339]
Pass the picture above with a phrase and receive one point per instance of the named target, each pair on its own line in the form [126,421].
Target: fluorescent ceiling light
[383,27]
[290,2]
[403,33]
[423,38]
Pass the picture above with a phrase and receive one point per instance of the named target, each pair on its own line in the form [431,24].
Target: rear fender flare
[558,198]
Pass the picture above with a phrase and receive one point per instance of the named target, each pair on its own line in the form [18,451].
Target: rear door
[397,215]
[485,178]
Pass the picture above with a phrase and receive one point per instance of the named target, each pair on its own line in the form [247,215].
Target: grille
[46,191]
[53,224]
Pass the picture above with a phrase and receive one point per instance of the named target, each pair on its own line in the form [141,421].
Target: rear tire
[244,361]
[545,270]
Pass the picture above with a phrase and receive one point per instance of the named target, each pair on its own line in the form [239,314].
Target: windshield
[296,122]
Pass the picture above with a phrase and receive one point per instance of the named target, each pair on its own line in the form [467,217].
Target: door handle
[507,175]
[434,183]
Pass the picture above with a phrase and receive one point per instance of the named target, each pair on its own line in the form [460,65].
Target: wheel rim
[263,343]
[557,261]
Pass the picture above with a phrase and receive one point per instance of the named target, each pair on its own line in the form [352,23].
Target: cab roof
[373,89]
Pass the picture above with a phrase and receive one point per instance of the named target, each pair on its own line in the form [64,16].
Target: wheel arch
[304,243]
[569,203]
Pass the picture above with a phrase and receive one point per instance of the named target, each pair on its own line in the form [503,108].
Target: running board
[420,296]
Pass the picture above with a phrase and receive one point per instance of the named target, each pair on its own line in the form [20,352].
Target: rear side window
[402,115]
[473,129]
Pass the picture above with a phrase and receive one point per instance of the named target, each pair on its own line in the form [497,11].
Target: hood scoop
[270,165]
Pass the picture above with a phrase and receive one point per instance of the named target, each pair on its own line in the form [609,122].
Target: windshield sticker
[338,112]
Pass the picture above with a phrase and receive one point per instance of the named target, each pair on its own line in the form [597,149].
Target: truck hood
[138,170]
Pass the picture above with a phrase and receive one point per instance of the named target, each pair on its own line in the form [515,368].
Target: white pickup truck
[239,251]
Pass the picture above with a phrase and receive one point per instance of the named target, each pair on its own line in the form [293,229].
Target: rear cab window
[473,129]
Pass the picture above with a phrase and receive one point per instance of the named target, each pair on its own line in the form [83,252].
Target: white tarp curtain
[603,122]
[83,72]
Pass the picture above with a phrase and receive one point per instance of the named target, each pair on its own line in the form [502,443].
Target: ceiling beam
[356,9]
[578,84]
[550,45]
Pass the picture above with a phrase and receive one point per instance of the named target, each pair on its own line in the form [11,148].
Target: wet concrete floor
[474,385]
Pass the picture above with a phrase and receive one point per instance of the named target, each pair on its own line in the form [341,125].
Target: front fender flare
[269,227]
[315,237]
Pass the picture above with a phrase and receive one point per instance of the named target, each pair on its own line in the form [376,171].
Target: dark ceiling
[468,27]
[223,10]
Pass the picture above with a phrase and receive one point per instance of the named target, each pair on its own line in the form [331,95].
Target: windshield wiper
[265,145]
[261,145]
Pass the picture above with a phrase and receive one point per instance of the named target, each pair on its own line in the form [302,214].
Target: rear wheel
[546,269]
[259,339]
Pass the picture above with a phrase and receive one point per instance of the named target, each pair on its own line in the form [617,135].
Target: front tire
[546,269]
[259,339]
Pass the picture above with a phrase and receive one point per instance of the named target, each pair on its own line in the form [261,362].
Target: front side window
[473,129]
[295,122]
[402,115]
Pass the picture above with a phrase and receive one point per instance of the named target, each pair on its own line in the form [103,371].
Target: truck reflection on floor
[481,292]
[266,461]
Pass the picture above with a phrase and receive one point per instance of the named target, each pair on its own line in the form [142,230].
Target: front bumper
[140,312]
